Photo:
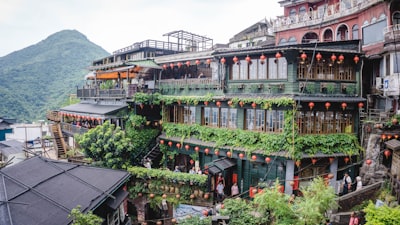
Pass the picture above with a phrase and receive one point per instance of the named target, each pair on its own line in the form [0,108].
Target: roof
[94,109]
[40,191]
[329,99]
[10,147]
[220,165]
[393,144]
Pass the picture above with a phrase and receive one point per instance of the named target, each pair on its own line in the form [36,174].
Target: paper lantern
[254,157]
[387,153]
[333,57]
[179,64]
[262,58]
[346,160]
[344,105]
[248,59]
[313,161]
[162,142]
[178,145]
[208,61]
[235,59]
[267,159]
[206,151]
[223,60]
[216,152]
[171,65]
[170,143]
[197,62]
[303,56]
[298,163]
[360,105]
[254,105]
[341,58]
[187,147]
[356,59]
[164,66]
[368,162]
[187,63]
[318,56]
[278,55]
[241,155]
[311,105]
[218,104]
[327,105]
[197,149]
[229,154]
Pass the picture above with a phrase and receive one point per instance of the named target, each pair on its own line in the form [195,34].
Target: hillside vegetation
[41,77]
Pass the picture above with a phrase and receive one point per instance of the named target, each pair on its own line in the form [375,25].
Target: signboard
[391,85]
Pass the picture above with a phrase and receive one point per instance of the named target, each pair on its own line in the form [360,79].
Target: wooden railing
[191,83]
[73,129]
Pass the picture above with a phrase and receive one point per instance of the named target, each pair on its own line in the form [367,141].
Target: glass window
[264,120]
[396,63]
[355,31]
[373,33]
[317,122]
[243,70]
[207,113]
[262,70]
[253,69]
[189,115]
[220,117]
[396,18]
[214,117]
[235,72]
[302,10]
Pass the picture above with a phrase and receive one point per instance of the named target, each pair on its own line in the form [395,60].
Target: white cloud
[119,23]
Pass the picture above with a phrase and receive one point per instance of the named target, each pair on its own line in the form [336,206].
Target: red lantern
[383,136]
[333,57]
[313,161]
[262,58]
[178,145]
[187,147]
[389,136]
[303,56]
[197,62]
[267,159]
[346,160]
[254,157]
[368,162]
[387,153]
[229,154]
[206,151]
[218,104]
[311,105]
[191,161]
[230,103]
[208,61]
[396,136]
[248,59]
[206,103]
[216,152]
[235,59]
[327,105]
[197,149]
[162,142]
[179,64]
[241,155]
[360,105]
[241,103]
[171,65]
[341,58]
[344,105]
[170,143]
[318,56]
[187,63]
[298,163]
[278,55]
[356,59]
[164,66]
[254,105]
[223,60]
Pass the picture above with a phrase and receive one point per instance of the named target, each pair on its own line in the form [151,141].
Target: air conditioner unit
[379,83]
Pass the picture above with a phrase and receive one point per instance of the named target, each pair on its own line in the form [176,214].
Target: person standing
[359,183]
[346,183]
[353,219]
[220,191]
[234,190]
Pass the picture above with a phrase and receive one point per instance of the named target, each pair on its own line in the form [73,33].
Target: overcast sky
[114,24]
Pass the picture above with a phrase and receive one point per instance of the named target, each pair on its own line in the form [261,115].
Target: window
[277,68]
[373,33]
[396,18]
[302,11]
[318,122]
[396,63]
[264,120]
[355,31]
[249,71]
[180,114]
[189,114]
[220,117]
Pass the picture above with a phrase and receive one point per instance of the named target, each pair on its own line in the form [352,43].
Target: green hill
[42,76]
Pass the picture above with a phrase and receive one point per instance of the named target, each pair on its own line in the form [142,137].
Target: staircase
[58,140]
[153,154]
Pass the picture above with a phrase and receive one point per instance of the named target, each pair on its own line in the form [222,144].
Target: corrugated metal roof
[94,109]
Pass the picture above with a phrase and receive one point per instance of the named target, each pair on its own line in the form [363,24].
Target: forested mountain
[42,76]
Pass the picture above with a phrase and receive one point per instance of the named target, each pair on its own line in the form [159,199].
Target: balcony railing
[172,85]
[332,12]
[73,129]
[392,33]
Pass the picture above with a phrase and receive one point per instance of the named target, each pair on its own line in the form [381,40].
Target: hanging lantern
[218,104]
[229,154]
[241,155]
[344,105]
[356,59]
[387,153]
[162,142]
[298,163]
[206,103]
[241,103]
[223,60]
[206,151]
[313,161]
[331,159]
[179,64]
[178,145]
[170,143]
[171,65]
[318,56]
[235,59]
[333,57]
[197,149]
[303,56]
[208,61]
[346,160]
[278,55]
[191,161]
[262,58]
[396,136]
[254,157]
[254,105]
[216,152]
[267,159]
[389,136]
[164,66]
[383,136]
[341,58]
[187,63]
[311,105]
[230,102]
[327,105]
[360,105]
[368,162]
[248,59]
[197,62]
[187,147]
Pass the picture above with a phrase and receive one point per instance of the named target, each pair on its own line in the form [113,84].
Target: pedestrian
[177,170]
[353,219]
[192,171]
[359,183]
[346,183]
[220,191]
[234,190]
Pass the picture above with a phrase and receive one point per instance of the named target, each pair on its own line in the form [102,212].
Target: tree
[382,215]
[242,211]
[79,218]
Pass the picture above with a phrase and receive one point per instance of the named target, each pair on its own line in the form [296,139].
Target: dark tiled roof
[39,191]
[11,147]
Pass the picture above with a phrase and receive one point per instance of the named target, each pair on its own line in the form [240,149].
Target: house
[5,127]
[43,191]
[12,152]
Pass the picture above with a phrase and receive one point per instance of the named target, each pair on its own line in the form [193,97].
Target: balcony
[333,12]
[392,33]
[73,129]
[194,85]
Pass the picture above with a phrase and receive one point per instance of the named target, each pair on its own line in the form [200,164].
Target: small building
[42,191]
[11,152]
[5,127]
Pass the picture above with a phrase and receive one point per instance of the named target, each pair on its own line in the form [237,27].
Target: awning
[144,64]
[393,144]
[328,99]
[120,196]
[220,165]
[93,109]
